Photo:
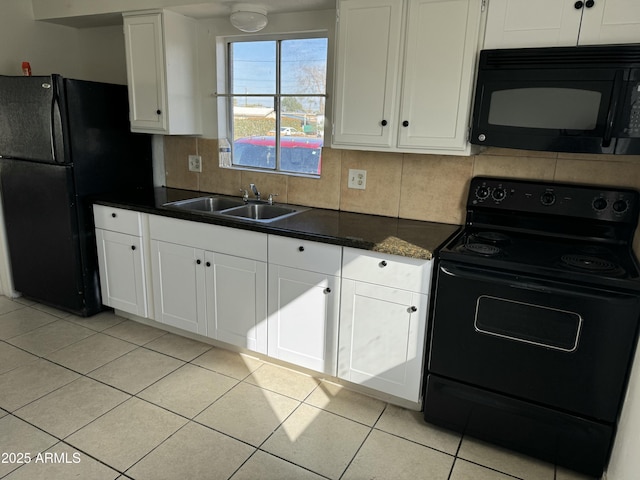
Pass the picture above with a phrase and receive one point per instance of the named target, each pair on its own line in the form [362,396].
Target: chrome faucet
[255,191]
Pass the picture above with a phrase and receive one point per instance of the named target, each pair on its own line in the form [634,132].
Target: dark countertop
[409,238]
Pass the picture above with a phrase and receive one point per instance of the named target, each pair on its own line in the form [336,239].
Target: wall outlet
[195,163]
[357,179]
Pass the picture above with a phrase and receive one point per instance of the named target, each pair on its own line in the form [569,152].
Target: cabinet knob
[383,263]
[133,247]
[383,123]
[114,215]
[327,290]
[208,264]
[413,309]
[158,112]
[198,261]
[578,5]
[589,3]
[405,123]
[301,248]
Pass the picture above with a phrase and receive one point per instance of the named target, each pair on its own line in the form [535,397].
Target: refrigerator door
[42,232]
[31,118]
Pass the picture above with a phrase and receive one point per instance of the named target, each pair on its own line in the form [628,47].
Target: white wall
[87,54]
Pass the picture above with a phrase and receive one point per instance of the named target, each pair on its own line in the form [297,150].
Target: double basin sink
[255,211]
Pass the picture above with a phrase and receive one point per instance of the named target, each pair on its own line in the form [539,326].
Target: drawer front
[384,269]
[118,220]
[305,255]
[214,238]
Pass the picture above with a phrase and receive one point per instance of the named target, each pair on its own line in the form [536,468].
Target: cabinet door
[303,318]
[611,21]
[178,286]
[382,336]
[237,301]
[440,52]
[526,23]
[367,69]
[145,72]
[121,265]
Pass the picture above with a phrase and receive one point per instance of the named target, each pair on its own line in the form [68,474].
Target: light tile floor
[108,398]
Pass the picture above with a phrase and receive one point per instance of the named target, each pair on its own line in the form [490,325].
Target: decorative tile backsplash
[420,187]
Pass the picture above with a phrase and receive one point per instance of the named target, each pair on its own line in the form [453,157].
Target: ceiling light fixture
[248,18]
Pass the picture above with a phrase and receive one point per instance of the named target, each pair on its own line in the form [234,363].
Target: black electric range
[535,319]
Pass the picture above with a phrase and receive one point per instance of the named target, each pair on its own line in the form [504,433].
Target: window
[277,102]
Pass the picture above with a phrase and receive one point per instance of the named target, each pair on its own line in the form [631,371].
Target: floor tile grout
[192,419]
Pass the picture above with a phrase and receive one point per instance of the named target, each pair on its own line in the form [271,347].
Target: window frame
[226,96]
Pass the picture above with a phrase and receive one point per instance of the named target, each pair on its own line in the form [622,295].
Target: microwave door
[552,112]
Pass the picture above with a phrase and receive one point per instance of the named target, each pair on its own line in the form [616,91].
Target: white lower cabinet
[236,300]
[383,324]
[179,286]
[345,312]
[221,294]
[121,259]
[304,303]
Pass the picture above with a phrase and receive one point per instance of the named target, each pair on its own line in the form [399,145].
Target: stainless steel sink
[236,207]
[206,204]
[263,212]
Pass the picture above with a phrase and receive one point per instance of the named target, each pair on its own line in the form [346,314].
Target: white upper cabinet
[161,53]
[440,57]
[368,61]
[404,74]
[543,23]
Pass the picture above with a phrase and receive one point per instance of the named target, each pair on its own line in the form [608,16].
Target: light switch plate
[357,179]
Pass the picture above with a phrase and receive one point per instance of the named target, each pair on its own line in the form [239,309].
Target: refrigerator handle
[55,107]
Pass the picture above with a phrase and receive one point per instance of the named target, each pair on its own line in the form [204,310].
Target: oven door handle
[525,282]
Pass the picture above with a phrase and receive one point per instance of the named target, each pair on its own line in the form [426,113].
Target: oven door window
[524,322]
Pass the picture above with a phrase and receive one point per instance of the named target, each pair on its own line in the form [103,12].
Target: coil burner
[587,263]
[482,249]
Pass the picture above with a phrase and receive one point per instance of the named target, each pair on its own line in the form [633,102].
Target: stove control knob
[499,194]
[482,192]
[600,204]
[548,198]
[620,206]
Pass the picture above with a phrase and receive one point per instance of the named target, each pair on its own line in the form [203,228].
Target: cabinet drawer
[214,238]
[305,254]
[118,220]
[389,270]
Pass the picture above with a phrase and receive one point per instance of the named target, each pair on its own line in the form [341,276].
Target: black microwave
[563,99]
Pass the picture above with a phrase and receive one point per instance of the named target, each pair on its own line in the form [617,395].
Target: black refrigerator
[61,142]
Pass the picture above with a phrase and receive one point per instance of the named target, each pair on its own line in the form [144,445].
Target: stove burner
[482,249]
[495,238]
[590,264]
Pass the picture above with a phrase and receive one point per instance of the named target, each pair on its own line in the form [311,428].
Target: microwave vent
[605,56]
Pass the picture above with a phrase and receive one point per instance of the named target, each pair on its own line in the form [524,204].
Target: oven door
[557,344]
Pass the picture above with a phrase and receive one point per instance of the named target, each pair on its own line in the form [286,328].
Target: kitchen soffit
[88,13]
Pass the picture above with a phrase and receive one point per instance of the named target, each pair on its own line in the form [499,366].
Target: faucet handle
[245,195]
[271,195]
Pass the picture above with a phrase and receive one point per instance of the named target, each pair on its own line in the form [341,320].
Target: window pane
[254,128]
[304,66]
[253,67]
[301,127]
